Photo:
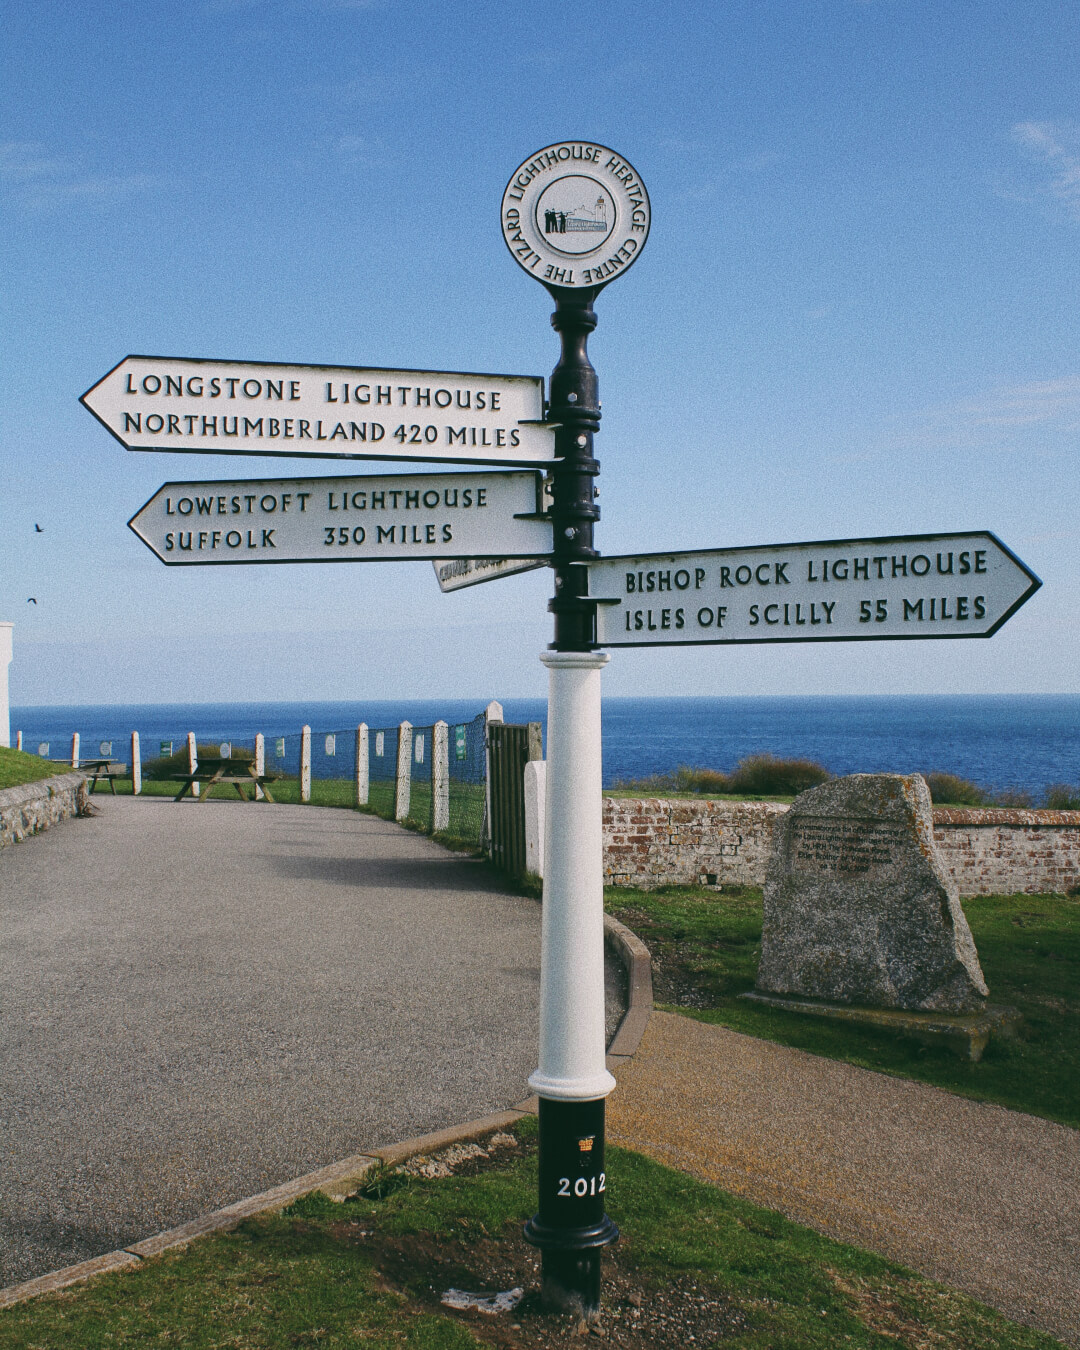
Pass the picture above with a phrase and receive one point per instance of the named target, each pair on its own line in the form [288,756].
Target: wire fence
[390,779]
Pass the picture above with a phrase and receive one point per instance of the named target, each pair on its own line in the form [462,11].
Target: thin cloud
[1056,147]
[41,181]
[1025,405]
[1000,419]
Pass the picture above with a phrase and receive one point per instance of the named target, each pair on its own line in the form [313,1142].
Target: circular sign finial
[575,215]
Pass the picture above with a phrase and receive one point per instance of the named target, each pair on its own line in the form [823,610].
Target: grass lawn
[706,945]
[695,1267]
[17,767]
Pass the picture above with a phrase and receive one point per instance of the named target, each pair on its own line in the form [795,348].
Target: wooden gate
[509,749]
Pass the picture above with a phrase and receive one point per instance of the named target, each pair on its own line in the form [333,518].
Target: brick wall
[656,842]
[650,843]
[1003,851]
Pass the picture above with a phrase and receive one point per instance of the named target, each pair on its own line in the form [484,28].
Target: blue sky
[856,313]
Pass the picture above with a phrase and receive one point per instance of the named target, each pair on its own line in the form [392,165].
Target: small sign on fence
[225,750]
[330,745]
[459,742]
[380,744]
[165,749]
[43,749]
[105,748]
[418,747]
[279,747]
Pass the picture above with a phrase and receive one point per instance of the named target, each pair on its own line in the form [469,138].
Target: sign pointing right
[903,586]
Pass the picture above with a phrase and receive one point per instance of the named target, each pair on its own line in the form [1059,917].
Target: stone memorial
[858,906]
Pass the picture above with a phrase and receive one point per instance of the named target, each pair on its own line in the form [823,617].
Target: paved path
[984,1199]
[201,1001]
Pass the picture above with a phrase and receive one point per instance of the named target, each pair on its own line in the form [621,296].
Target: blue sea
[1002,742]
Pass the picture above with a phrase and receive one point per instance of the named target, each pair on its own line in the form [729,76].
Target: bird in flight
[31,601]
[37,528]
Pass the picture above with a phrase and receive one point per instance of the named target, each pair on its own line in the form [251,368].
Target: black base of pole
[571,1227]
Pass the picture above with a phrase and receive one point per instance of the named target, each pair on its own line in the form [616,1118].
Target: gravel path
[201,1001]
[982,1198]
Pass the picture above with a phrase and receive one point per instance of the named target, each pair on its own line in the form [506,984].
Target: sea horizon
[1003,742]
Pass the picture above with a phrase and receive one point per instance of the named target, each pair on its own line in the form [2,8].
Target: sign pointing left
[370,519]
[325,412]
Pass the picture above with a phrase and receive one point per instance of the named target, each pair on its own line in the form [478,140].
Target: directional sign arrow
[841,590]
[254,408]
[368,519]
[453,574]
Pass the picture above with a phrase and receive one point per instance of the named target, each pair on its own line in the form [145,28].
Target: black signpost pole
[570,1226]
[574,408]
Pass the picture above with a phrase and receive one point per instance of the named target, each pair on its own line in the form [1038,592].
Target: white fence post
[362,768]
[403,779]
[535,796]
[136,765]
[74,749]
[492,713]
[260,763]
[440,777]
[192,760]
[305,764]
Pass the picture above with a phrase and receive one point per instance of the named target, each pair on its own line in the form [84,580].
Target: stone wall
[34,807]
[650,843]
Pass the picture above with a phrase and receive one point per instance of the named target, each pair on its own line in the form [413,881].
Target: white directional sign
[453,574]
[251,408]
[910,586]
[368,519]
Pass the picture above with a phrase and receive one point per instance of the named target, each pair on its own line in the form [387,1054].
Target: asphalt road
[984,1199]
[201,1001]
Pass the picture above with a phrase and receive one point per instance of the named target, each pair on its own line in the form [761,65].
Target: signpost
[369,519]
[845,590]
[575,216]
[325,412]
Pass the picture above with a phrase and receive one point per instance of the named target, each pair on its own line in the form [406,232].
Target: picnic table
[239,772]
[108,769]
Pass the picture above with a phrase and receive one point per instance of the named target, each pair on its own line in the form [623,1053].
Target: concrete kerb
[341,1179]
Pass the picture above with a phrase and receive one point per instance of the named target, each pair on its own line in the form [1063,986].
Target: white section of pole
[136,765]
[18,740]
[74,749]
[305,764]
[403,777]
[572,1066]
[6,630]
[192,760]
[260,763]
[440,777]
[362,766]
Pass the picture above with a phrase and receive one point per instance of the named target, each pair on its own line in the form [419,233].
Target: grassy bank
[695,1267]
[17,768]
[706,946]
